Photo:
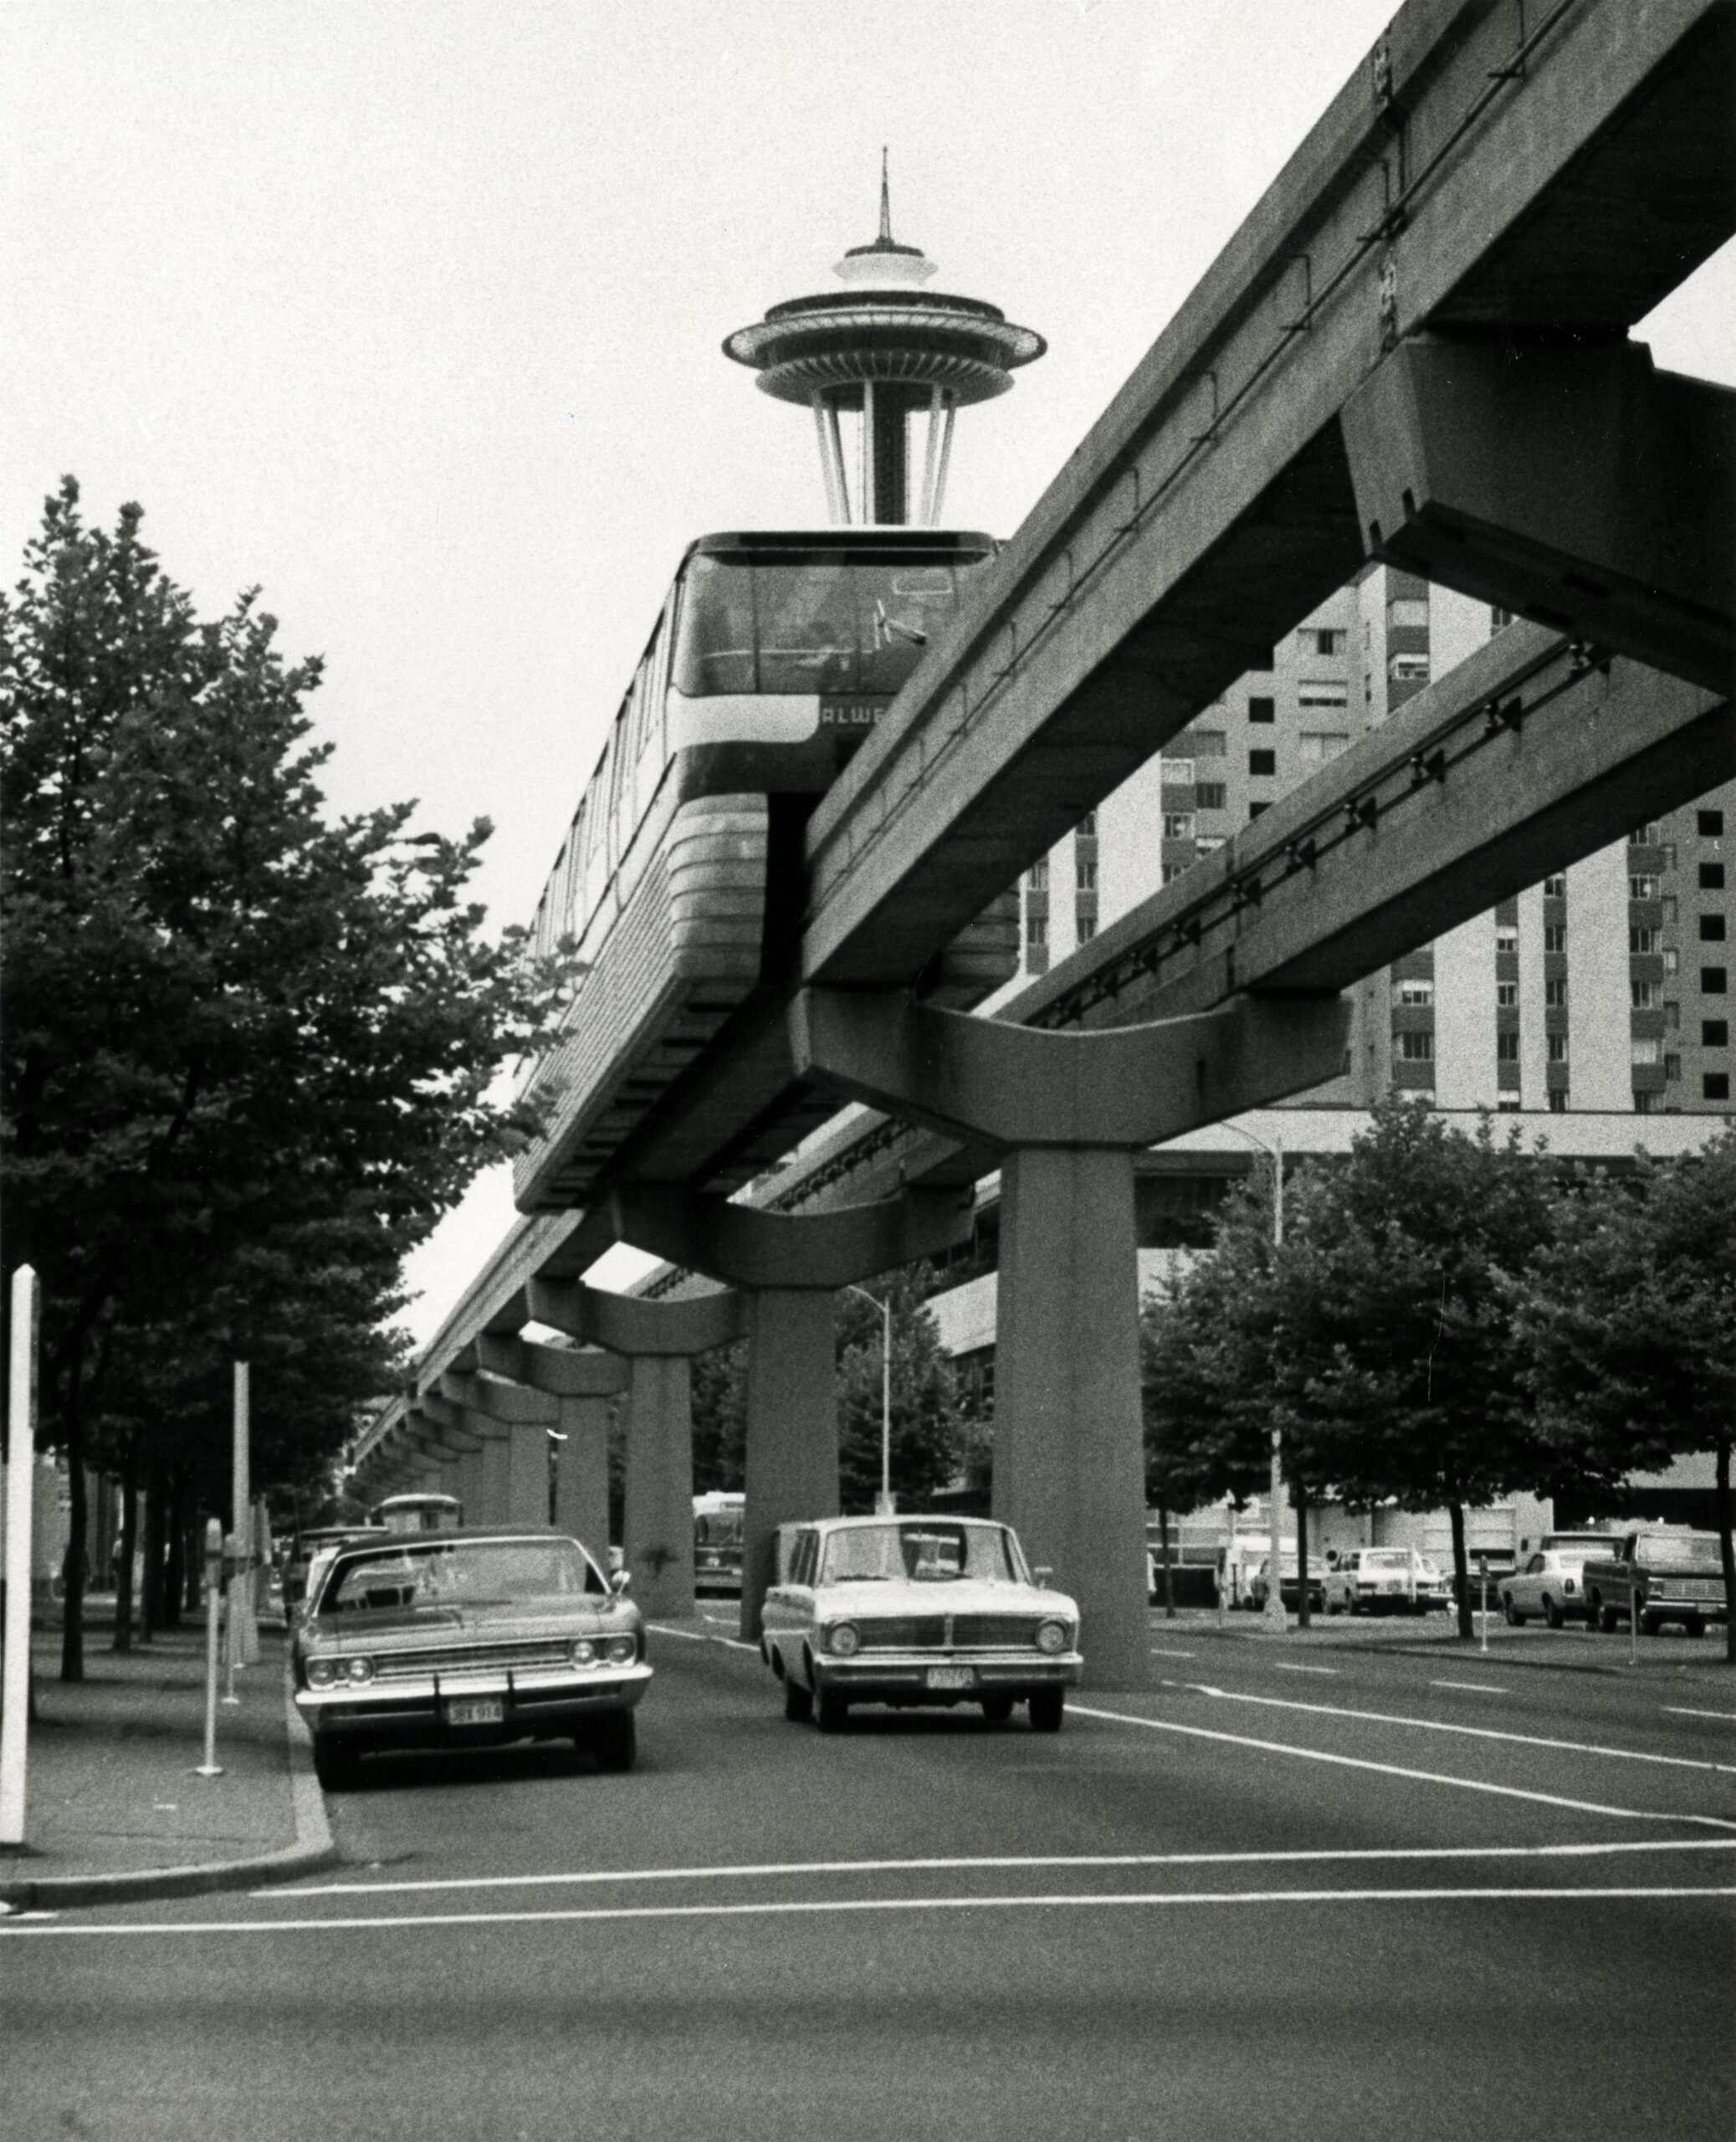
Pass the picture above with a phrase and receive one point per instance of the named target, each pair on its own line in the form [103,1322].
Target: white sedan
[916,1611]
[1551,1584]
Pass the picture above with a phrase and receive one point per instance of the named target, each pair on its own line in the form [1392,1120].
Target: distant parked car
[1551,1584]
[467,1639]
[1289,1584]
[917,1611]
[1383,1580]
[311,1556]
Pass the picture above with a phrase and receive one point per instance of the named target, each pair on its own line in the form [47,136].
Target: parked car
[1383,1580]
[929,1610]
[1551,1584]
[1289,1585]
[1671,1573]
[311,1554]
[467,1639]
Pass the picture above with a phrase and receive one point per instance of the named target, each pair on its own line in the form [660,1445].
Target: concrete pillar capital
[561,1372]
[445,1429]
[625,1325]
[512,1404]
[1020,1087]
[817,1251]
[449,1417]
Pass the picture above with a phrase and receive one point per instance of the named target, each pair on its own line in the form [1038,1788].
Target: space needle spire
[883,351]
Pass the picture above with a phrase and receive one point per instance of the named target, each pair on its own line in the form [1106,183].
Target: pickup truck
[1672,1576]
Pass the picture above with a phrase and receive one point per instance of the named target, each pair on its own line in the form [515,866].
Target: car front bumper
[416,1714]
[903,1676]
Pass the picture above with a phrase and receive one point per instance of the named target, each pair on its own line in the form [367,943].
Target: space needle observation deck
[887,350]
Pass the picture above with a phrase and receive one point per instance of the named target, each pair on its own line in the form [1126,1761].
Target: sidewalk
[114,1809]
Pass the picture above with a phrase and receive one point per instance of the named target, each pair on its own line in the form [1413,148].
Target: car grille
[934,1632]
[473,1658]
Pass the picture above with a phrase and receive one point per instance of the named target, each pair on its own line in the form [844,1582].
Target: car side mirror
[1044,1576]
[621,1581]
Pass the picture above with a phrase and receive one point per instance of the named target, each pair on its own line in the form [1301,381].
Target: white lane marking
[1681,1710]
[1157,1652]
[1394,1770]
[1477,1688]
[1451,1726]
[698,1636]
[1281,1668]
[1608,1849]
[804,1907]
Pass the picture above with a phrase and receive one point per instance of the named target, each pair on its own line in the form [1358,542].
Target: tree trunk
[1300,1496]
[1727,1552]
[128,1556]
[1461,1570]
[174,1547]
[1162,1527]
[151,1582]
[73,1566]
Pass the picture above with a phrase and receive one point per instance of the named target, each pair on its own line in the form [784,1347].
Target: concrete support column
[658,1523]
[468,1485]
[495,1488]
[527,1472]
[581,1474]
[1069,1453]
[792,1459]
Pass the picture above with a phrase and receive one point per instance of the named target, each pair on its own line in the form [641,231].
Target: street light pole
[883,1501]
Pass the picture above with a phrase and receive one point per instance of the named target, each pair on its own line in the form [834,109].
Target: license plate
[476,1710]
[952,1676]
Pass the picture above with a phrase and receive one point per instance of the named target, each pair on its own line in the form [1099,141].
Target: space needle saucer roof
[884,329]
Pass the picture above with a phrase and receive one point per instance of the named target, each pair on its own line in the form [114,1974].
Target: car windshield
[1390,1558]
[1677,1550]
[488,1572]
[923,1551]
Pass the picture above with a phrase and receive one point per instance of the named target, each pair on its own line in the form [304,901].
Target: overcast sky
[409,311]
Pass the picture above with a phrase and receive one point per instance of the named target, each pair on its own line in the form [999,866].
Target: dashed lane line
[1394,1770]
[1359,1856]
[1681,1710]
[1280,1667]
[1452,1725]
[1157,1652]
[830,1907]
[698,1636]
[1475,1688]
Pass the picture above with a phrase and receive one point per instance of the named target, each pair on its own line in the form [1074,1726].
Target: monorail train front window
[815,622]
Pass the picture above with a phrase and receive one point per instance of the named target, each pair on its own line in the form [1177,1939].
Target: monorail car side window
[716,652]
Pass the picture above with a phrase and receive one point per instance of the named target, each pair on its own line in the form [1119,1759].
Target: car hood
[958,1596]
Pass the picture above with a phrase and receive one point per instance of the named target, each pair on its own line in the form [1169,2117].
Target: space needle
[887,350]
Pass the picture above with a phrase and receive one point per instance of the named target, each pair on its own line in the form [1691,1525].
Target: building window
[1178,772]
[1645,996]
[1178,825]
[1641,941]
[1558,1047]
[1409,668]
[1645,835]
[1262,762]
[1085,880]
[1644,1048]
[1037,877]
[1710,825]
[1507,1048]
[1256,810]
[1209,796]
[1643,1104]
[1329,639]
[1555,888]
[1173,870]
[1316,694]
[1417,1048]
[1715,1085]
[1207,844]
[1557,1101]
[1669,852]
[1085,925]
[1712,982]
[1712,929]
[1417,993]
[1673,1070]
[1319,745]
[1209,743]
[1408,610]
[1554,936]
[1673,960]
[1499,619]
[1086,827]
[1714,1033]
[1642,889]
[1263,709]
[1508,1104]
[1554,990]
[1666,911]
[1037,930]
[1506,994]
[1712,877]
[1672,1017]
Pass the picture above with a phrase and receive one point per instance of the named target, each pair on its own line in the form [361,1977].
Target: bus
[718,1523]
[425,1513]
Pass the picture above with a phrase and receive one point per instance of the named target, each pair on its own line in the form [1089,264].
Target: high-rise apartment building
[1604,986]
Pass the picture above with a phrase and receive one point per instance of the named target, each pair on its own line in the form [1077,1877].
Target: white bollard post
[1633,1616]
[242,1603]
[20,1488]
[1482,1567]
[231,1592]
[213,1596]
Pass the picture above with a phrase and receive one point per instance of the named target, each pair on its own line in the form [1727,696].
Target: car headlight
[582,1651]
[1052,1638]
[321,1672]
[360,1669]
[622,1651]
[844,1639]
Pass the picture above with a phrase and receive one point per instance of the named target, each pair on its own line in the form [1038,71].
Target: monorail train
[680,881]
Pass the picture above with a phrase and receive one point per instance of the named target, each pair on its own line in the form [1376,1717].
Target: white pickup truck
[1673,1575]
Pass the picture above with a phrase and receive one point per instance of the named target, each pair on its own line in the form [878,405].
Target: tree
[1628,1320]
[245,1050]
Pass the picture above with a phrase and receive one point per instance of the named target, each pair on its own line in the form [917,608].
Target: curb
[313,1849]
[1504,1655]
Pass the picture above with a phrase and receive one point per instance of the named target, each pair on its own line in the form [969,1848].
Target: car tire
[614,1741]
[1552,1613]
[338,1768]
[997,1709]
[798,1702]
[1608,1620]
[1048,1708]
[1694,1629]
[1514,1619]
[831,1710]
[1334,1605]
[1650,1625]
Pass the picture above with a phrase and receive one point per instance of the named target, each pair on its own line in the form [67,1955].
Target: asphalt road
[1290,1889]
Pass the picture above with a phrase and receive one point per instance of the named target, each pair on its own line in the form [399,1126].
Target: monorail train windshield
[830,620]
